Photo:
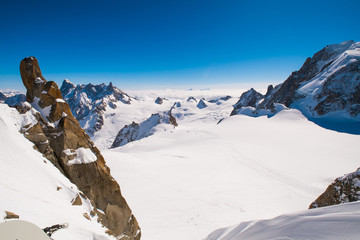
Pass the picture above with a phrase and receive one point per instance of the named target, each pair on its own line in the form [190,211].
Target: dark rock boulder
[59,137]
[342,190]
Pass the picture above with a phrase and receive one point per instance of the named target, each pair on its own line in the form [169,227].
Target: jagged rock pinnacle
[66,145]
[30,70]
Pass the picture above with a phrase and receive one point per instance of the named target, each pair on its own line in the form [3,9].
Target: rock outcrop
[11,215]
[342,190]
[136,131]
[328,82]
[88,102]
[128,133]
[58,135]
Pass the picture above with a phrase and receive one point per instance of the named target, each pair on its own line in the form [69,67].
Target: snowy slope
[339,222]
[186,182]
[29,185]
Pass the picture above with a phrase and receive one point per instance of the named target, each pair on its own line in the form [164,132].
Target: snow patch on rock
[80,156]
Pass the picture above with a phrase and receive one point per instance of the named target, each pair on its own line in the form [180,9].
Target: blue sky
[163,44]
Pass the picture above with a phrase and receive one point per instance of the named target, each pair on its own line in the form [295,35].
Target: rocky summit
[58,135]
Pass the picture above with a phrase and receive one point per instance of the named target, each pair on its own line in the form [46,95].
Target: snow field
[186,182]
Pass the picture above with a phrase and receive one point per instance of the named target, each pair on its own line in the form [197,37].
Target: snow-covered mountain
[325,89]
[89,102]
[12,98]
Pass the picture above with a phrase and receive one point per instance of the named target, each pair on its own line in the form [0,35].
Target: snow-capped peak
[88,102]
[326,87]
[340,47]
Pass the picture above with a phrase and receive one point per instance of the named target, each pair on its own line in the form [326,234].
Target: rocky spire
[72,151]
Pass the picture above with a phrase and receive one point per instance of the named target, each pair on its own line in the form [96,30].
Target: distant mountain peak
[88,102]
[326,87]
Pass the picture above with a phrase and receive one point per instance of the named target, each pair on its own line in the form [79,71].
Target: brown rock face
[342,190]
[60,138]
[11,215]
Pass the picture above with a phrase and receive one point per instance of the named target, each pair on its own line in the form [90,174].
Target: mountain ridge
[325,89]
[88,102]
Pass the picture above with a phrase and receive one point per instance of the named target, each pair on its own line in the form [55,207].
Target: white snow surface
[201,176]
[29,182]
[60,100]
[45,112]
[81,156]
[340,222]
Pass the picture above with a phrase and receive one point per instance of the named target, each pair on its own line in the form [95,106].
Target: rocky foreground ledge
[59,137]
